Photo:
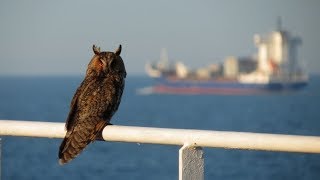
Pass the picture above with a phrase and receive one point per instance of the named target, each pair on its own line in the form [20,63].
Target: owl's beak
[103,65]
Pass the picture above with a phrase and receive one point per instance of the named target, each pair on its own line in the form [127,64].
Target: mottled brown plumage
[94,103]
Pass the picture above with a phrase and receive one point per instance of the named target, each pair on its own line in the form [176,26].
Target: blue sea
[48,99]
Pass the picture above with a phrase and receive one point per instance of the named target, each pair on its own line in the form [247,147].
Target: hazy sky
[56,37]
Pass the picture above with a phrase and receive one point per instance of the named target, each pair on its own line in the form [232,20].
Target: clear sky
[55,37]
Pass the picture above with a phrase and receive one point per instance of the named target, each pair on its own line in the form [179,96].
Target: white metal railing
[191,140]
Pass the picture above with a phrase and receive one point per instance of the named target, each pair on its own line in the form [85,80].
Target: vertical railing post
[191,163]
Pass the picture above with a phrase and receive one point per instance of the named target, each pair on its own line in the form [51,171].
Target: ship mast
[279,23]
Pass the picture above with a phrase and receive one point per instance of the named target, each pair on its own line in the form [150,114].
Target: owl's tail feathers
[71,146]
[75,141]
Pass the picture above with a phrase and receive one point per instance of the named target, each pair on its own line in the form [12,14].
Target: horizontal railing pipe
[203,138]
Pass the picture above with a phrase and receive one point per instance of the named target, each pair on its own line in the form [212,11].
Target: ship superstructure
[274,67]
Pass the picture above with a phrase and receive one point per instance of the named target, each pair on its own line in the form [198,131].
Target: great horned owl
[94,103]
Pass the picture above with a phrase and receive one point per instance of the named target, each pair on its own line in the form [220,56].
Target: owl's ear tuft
[118,51]
[96,49]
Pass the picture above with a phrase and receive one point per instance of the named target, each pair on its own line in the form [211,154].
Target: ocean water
[48,98]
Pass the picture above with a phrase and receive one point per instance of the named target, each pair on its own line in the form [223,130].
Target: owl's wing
[74,103]
[73,109]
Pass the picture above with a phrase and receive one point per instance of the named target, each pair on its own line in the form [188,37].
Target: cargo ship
[274,68]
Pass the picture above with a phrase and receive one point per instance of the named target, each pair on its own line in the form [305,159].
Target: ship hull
[165,86]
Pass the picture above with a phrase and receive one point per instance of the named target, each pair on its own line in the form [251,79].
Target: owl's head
[104,63]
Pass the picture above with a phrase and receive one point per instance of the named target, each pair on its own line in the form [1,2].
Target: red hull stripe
[195,90]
